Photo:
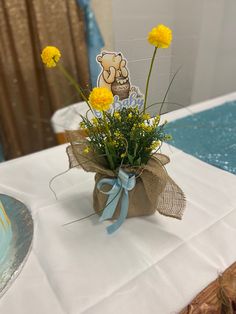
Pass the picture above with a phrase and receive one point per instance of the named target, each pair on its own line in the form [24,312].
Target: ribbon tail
[123,213]
[111,204]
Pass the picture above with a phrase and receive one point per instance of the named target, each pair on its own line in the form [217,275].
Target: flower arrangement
[121,147]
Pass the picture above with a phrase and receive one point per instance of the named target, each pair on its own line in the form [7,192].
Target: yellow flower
[95,121]
[156,120]
[86,150]
[101,98]
[134,128]
[82,125]
[117,115]
[146,116]
[155,145]
[50,56]
[160,36]
[145,127]
[117,134]
[130,115]
[168,137]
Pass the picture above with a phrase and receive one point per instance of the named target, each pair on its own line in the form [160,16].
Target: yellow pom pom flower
[101,98]
[50,56]
[160,36]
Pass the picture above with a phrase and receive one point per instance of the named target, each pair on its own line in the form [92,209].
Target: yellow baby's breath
[130,115]
[50,56]
[101,98]
[168,137]
[160,36]
[155,145]
[156,120]
[145,127]
[95,121]
[86,150]
[146,116]
[117,134]
[82,125]
[117,115]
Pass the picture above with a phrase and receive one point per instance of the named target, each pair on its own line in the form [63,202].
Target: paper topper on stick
[114,74]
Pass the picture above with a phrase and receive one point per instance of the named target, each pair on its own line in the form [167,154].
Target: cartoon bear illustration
[114,74]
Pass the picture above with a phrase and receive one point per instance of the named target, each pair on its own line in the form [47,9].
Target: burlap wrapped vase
[153,191]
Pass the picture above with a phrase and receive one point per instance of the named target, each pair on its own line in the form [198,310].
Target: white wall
[215,73]
[186,37]
[204,45]
[132,20]
[103,12]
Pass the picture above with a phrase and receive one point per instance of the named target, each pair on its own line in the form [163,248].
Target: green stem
[106,125]
[148,79]
[107,148]
[74,83]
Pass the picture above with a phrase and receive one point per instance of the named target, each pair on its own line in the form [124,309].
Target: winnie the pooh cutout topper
[115,75]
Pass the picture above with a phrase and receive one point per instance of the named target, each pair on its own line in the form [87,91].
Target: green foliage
[126,137]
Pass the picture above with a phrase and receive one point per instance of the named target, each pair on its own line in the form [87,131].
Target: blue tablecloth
[209,135]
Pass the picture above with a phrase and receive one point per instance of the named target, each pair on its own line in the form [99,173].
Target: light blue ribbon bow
[120,189]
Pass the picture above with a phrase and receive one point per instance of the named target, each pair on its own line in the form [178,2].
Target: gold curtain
[29,92]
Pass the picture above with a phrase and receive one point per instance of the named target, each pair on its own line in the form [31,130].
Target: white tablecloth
[151,265]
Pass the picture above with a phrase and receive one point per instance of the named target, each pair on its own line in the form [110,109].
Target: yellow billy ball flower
[160,36]
[50,56]
[101,98]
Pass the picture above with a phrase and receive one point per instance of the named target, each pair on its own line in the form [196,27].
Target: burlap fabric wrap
[154,189]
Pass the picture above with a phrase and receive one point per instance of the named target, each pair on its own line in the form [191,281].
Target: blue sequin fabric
[209,135]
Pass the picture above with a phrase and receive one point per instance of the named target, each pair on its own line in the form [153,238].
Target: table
[153,264]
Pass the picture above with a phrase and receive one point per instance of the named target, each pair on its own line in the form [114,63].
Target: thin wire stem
[106,125]
[74,83]
[167,91]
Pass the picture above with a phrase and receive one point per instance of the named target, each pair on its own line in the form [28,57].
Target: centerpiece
[121,143]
